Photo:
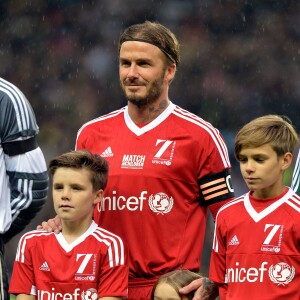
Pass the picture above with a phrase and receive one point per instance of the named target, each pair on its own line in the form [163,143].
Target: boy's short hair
[275,130]
[83,159]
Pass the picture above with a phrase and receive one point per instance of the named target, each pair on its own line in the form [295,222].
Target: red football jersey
[93,266]
[256,248]
[162,177]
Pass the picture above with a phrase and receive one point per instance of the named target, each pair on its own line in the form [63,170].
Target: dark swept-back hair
[83,159]
[177,279]
[156,34]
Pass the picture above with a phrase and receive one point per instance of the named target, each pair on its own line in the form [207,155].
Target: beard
[153,92]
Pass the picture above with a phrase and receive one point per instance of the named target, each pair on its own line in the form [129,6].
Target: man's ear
[170,72]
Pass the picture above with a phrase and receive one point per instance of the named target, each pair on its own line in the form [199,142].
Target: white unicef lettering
[120,202]
[251,274]
[67,296]
[131,203]
[242,278]
[45,295]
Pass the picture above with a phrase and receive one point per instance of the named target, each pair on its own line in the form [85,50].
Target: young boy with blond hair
[256,248]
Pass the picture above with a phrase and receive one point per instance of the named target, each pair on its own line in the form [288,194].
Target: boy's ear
[286,160]
[99,196]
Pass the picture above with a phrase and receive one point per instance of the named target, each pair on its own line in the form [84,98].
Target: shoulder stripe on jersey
[294,202]
[213,132]
[23,241]
[296,175]
[230,203]
[115,244]
[99,119]
[19,103]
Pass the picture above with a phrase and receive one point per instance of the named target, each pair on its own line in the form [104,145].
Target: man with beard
[167,165]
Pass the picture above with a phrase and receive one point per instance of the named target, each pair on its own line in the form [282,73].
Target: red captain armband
[216,188]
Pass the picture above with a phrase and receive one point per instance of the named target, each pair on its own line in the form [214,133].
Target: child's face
[164,291]
[263,170]
[73,194]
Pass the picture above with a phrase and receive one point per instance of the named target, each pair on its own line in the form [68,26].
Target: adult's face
[144,74]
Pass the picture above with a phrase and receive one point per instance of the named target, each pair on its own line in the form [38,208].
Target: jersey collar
[139,131]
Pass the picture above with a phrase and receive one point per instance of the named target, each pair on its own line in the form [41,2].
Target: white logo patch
[90,294]
[133,161]
[281,273]
[165,153]
[44,266]
[234,241]
[107,153]
[160,203]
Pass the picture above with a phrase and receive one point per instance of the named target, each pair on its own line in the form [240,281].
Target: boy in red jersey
[256,249]
[84,261]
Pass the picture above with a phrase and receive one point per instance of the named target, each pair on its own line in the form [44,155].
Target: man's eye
[125,64]
[144,64]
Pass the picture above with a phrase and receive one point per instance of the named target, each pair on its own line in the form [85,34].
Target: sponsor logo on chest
[280,273]
[77,294]
[159,203]
[163,155]
[272,238]
[133,161]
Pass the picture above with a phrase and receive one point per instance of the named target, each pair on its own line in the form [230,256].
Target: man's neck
[147,113]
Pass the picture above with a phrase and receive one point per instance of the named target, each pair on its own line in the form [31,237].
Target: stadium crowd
[240,60]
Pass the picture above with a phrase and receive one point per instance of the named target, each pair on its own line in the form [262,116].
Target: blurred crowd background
[240,60]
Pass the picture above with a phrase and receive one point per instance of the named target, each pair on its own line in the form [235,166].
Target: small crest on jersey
[165,152]
[273,240]
[234,241]
[160,203]
[107,152]
[281,273]
[90,294]
[44,266]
